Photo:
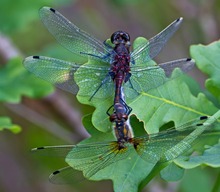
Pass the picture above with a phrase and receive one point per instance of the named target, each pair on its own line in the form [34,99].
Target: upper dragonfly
[114,63]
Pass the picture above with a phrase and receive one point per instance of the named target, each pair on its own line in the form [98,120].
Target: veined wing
[168,145]
[63,74]
[147,51]
[88,158]
[146,78]
[66,175]
[73,38]
[53,151]
[91,159]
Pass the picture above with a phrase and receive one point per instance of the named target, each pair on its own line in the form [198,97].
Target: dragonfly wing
[58,72]
[63,75]
[92,158]
[185,65]
[66,175]
[89,158]
[168,145]
[97,83]
[146,78]
[147,51]
[152,150]
[54,151]
[71,37]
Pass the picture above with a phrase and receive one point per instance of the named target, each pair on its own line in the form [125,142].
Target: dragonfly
[159,147]
[113,63]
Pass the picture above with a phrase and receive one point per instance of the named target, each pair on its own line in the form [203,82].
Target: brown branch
[7,49]
[71,115]
[45,123]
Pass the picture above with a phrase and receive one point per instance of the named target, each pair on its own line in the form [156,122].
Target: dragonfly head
[119,37]
[120,113]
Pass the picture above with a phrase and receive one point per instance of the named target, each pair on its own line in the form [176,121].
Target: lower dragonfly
[121,111]
[159,147]
[113,65]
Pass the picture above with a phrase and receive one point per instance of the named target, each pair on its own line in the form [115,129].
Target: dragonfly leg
[109,110]
[102,83]
[127,77]
[132,87]
[112,75]
[128,109]
[90,54]
[132,61]
[104,57]
[129,81]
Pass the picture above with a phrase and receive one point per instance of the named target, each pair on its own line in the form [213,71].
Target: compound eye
[119,37]
[112,117]
[114,36]
[125,117]
[126,36]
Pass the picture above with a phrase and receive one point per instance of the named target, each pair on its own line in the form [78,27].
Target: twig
[7,49]
[44,122]
[72,116]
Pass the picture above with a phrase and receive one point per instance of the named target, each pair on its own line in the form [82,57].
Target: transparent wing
[71,37]
[168,145]
[89,158]
[94,158]
[65,74]
[146,78]
[147,51]
[66,175]
[185,65]
[54,151]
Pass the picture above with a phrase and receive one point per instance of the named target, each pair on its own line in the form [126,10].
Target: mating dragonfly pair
[119,69]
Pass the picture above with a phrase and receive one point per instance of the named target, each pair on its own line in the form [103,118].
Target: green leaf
[16,81]
[172,172]
[5,123]
[210,157]
[207,59]
[198,179]
[171,102]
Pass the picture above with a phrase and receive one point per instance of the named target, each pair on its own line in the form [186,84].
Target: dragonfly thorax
[122,59]
[122,132]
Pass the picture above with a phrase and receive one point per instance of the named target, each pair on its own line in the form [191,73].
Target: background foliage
[55,119]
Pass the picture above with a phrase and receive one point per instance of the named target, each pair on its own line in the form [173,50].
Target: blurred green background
[56,118]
